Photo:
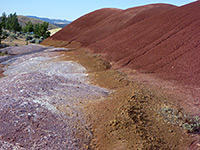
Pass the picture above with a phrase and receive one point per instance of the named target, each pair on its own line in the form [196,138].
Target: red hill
[168,43]
[104,22]
[160,39]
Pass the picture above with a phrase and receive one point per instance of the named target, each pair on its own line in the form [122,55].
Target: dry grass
[53,31]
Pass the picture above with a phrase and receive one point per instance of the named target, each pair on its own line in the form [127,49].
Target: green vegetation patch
[177,117]
[33,33]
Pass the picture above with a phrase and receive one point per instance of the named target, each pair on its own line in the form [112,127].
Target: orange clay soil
[130,117]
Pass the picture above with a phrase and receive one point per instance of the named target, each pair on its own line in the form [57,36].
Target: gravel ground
[41,101]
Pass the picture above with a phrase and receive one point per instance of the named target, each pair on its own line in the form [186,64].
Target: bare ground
[41,101]
[131,117]
[44,107]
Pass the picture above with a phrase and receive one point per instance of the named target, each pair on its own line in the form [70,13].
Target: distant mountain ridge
[57,22]
[23,20]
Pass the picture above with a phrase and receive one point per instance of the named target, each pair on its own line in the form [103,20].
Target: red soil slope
[167,44]
[160,39]
[157,38]
[104,22]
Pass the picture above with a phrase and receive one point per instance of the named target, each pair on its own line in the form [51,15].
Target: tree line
[11,23]
[40,30]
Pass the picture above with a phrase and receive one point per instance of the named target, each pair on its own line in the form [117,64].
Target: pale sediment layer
[41,102]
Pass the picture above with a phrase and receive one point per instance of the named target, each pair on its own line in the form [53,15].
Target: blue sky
[72,9]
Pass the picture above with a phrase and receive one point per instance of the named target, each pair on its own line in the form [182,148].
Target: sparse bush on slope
[13,35]
[177,117]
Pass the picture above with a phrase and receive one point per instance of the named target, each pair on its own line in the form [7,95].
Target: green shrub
[2,54]
[12,35]
[37,41]
[176,117]
[28,37]
[21,36]
[32,40]
[5,34]
[192,124]
[41,38]
[18,34]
